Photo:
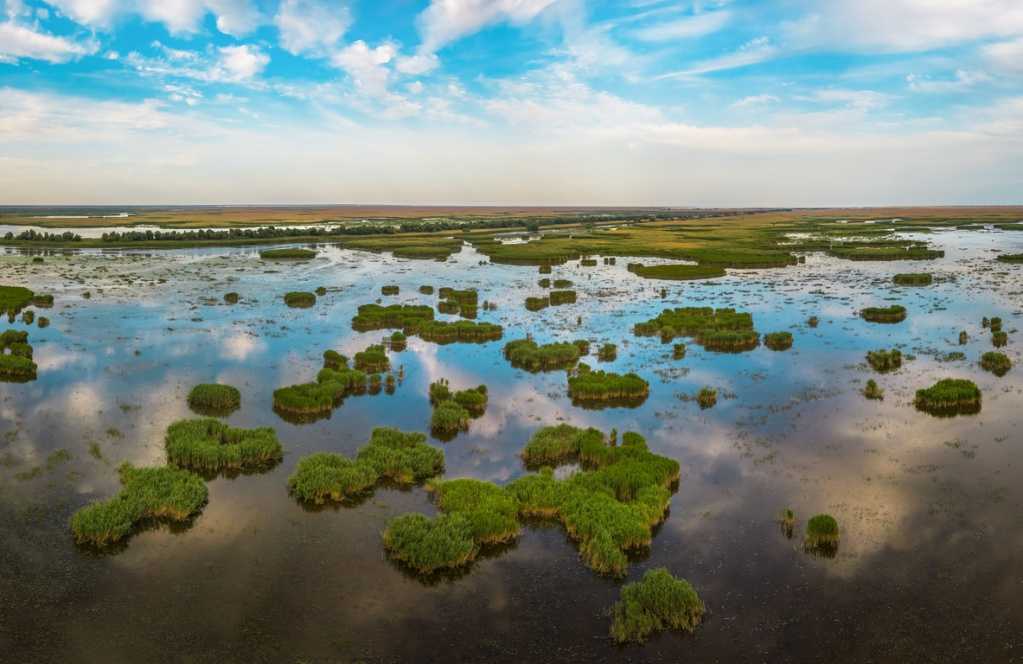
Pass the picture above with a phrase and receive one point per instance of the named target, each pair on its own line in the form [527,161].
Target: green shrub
[288,254]
[147,493]
[392,455]
[884,361]
[893,314]
[656,603]
[299,299]
[950,396]
[822,534]
[372,360]
[210,445]
[997,363]
[778,340]
[607,353]
[872,391]
[913,279]
[526,354]
[588,386]
[214,398]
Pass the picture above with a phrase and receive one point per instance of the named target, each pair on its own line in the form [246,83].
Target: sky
[546,102]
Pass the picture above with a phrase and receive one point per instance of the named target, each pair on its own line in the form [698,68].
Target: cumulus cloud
[241,63]
[311,26]
[445,21]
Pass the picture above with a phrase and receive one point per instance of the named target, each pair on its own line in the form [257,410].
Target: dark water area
[929,567]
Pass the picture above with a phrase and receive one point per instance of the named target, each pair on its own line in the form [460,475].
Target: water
[927,569]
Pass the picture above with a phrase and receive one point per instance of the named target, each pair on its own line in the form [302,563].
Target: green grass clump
[913,279]
[449,418]
[707,397]
[554,445]
[544,283]
[452,411]
[678,351]
[389,290]
[372,360]
[778,340]
[43,322]
[288,254]
[872,391]
[906,252]
[210,445]
[995,324]
[16,363]
[893,314]
[473,400]
[562,283]
[950,396]
[526,354]
[658,602]
[677,272]
[999,339]
[728,341]
[545,269]
[334,360]
[537,303]
[28,317]
[822,534]
[997,363]
[43,300]
[426,290]
[391,455]
[405,317]
[398,341]
[167,493]
[558,297]
[464,331]
[884,361]
[320,397]
[610,507]
[1011,258]
[13,299]
[587,386]
[231,298]
[300,299]
[214,398]
[693,322]
[607,353]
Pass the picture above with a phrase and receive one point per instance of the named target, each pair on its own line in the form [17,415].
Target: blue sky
[791,102]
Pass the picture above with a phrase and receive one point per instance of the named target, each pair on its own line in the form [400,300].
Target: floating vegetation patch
[657,603]
[214,399]
[778,340]
[444,332]
[997,363]
[822,535]
[883,361]
[406,317]
[287,254]
[897,252]
[1011,258]
[165,493]
[537,303]
[677,272]
[610,507]
[893,314]
[390,455]
[209,445]
[913,279]
[373,359]
[949,397]
[604,388]
[300,299]
[526,354]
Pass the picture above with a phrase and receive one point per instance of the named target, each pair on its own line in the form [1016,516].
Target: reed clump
[997,363]
[464,331]
[300,299]
[607,353]
[1011,258]
[999,339]
[406,317]
[778,340]
[426,290]
[883,361]
[587,386]
[678,351]
[729,341]
[707,397]
[322,396]
[694,322]
[559,297]
[373,359]
[390,455]
[537,303]
[231,298]
[334,360]
[397,341]
[950,396]
[16,363]
[167,493]
[13,299]
[893,314]
[390,290]
[452,411]
[209,445]
[657,603]
[873,391]
[822,535]
[526,354]
[677,272]
[214,398]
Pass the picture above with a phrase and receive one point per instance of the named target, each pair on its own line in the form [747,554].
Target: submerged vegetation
[884,361]
[164,493]
[950,396]
[586,386]
[610,507]
[209,445]
[658,602]
[214,398]
[893,314]
[390,455]
[997,363]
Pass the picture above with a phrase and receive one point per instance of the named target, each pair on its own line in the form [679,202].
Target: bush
[778,340]
[526,354]
[997,363]
[884,361]
[299,299]
[822,534]
[658,602]
[893,314]
[288,254]
[147,493]
[372,360]
[596,386]
[210,445]
[607,353]
[214,398]
[396,456]
[389,290]
[950,396]
[913,279]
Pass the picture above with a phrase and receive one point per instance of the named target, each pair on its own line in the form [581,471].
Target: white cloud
[752,52]
[22,41]
[241,63]
[367,66]
[754,101]
[685,28]
[414,65]
[860,100]
[311,26]
[445,21]
[1006,55]
[233,17]
[963,81]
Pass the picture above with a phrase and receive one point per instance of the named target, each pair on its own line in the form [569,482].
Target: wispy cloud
[752,52]
[684,28]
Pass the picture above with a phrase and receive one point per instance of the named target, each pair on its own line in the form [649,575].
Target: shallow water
[928,568]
